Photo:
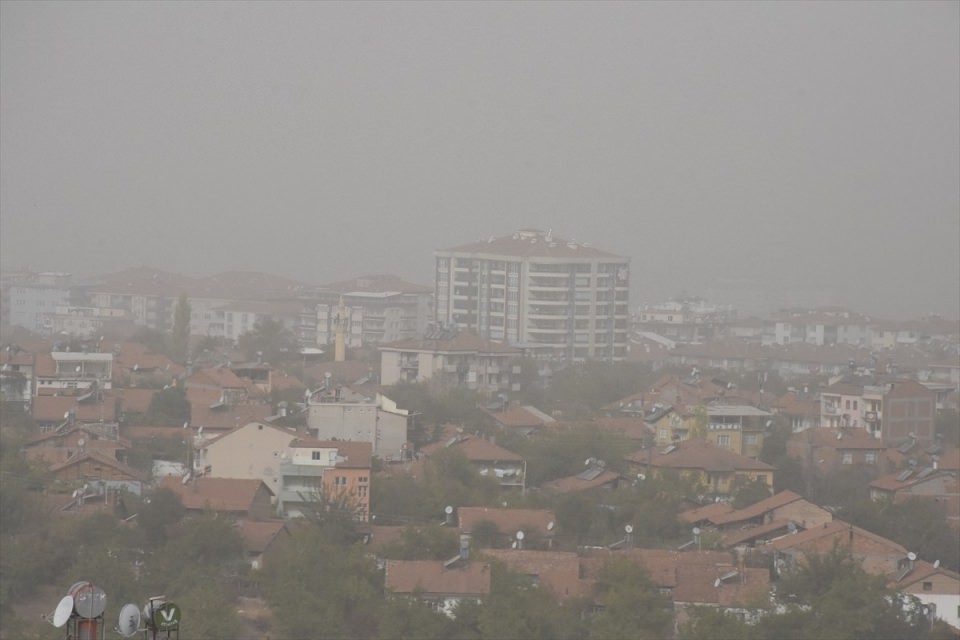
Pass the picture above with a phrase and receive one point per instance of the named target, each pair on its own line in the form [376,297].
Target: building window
[362,492]
[847,458]
[871,458]
[340,481]
[363,479]
[315,455]
[750,439]
[928,586]
[723,440]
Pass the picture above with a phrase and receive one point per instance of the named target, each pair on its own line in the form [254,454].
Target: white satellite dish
[717,582]
[551,525]
[936,564]
[90,601]
[129,621]
[520,535]
[911,556]
[81,442]
[448,509]
[63,611]
[696,531]
[628,528]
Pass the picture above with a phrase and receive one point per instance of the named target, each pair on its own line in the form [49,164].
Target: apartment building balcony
[831,409]
[292,470]
[409,364]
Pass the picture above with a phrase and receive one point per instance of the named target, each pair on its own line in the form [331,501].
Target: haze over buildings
[759,154]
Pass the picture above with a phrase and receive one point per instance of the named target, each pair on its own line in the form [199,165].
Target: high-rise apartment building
[534,289]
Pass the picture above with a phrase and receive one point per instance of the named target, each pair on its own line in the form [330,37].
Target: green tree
[157,514]
[320,588]
[169,408]
[180,335]
[751,493]
[633,607]
[269,341]
[424,542]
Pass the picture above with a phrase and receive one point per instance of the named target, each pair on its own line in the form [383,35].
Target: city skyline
[776,154]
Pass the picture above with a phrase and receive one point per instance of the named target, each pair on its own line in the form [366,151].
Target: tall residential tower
[532,289]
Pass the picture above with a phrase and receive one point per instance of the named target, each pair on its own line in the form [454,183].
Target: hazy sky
[808,150]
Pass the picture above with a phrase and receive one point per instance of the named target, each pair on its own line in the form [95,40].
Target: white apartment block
[532,288]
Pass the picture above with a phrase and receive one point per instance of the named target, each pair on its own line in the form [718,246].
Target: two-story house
[320,475]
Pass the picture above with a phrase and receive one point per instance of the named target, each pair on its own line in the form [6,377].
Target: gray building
[341,414]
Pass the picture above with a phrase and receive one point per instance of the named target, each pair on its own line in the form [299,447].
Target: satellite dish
[520,535]
[129,620]
[63,611]
[716,583]
[66,415]
[81,442]
[936,564]
[696,531]
[641,476]
[448,510]
[911,556]
[89,601]
[628,528]
[552,524]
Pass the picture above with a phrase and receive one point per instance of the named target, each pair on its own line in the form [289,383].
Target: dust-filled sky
[775,152]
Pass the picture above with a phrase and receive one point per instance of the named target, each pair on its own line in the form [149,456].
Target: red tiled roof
[707,512]
[475,449]
[838,530]
[507,521]
[219,494]
[698,454]
[430,576]
[759,508]
[52,408]
[576,483]
[556,571]
[738,536]
[259,534]
[99,457]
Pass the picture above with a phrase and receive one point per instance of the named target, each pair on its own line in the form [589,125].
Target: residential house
[55,411]
[240,498]
[491,460]
[90,466]
[930,484]
[719,470]
[538,525]
[436,583]
[780,514]
[448,358]
[252,451]
[739,428]
[532,287]
[692,578]
[323,475]
[829,449]
[801,409]
[521,418]
[892,411]
[262,540]
[556,572]
[209,411]
[595,477]
[878,555]
[341,414]
[136,366]
[822,326]
[57,446]
[66,371]
[936,587]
